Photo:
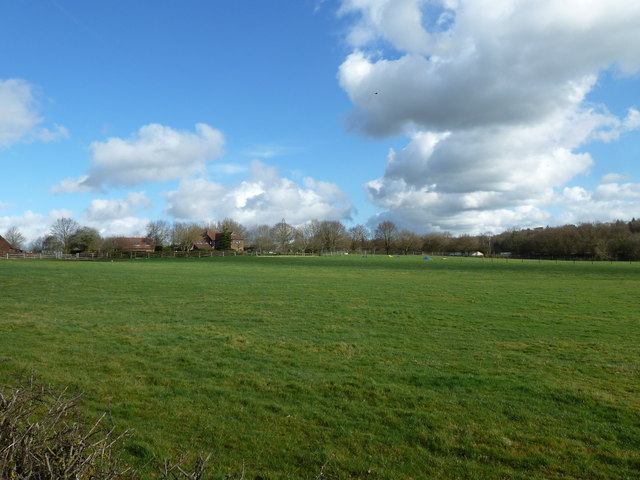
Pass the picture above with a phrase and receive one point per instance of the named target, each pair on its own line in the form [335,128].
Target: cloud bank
[264,198]
[493,97]
[157,153]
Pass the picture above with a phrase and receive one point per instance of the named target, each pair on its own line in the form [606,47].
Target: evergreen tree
[223,240]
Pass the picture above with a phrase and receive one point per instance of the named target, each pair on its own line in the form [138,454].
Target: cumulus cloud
[265,197]
[609,201]
[114,208]
[129,226]
[118,216]
[110,217]
[33,225]
[493,97]
[155,153]
[504,62]
[20,118]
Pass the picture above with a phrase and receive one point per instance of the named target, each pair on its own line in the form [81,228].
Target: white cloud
[118,216]
[156,153]
[129,226]
[479,177]
[272,150]
[227,168]
[609,201]
[499,62]
[493,97]
[20,118]
[33,225]
[73,185]
[111,217]
[115,208]
[264,198]
[614,177]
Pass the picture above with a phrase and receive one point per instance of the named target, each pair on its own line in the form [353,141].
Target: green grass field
[381,368]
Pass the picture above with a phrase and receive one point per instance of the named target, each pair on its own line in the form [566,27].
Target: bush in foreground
[43,436]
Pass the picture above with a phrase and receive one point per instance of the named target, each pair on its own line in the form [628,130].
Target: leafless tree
[183,235]
[360,236]
[159,232]
[231,226]
[332,235]
[14,237]
[436,242]
[260,239]
[386,231]
[407,241]
[62,230]
[283,235]
[305,237]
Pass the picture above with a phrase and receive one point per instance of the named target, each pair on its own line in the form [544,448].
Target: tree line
[618,240]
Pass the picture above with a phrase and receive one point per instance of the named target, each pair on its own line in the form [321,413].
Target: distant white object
[477,254]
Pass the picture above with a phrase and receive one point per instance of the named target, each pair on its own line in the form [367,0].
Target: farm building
[5,247]
[134,244]
[210,238]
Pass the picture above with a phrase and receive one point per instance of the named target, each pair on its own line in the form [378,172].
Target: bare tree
[407,241]
[231,226]
[465,244]
[305,237]
[44,243]
[332,235]
[62,230]
[283,235]
[14,237]
[436,242]
[183,235]
[260,239]
[360,236]
[159,232]
[386,231]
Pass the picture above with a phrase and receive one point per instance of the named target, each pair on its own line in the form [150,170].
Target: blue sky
[440,115]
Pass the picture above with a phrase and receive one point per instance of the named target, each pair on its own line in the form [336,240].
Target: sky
[467,116]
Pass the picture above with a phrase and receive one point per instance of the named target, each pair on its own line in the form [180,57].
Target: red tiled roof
[6,247]
[201,246]
[212,234]
[134,243]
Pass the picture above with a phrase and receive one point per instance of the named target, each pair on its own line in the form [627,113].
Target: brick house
[134,244]
[211,237]
[5,247]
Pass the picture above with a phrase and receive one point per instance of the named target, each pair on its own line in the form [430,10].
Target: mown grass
[377,367]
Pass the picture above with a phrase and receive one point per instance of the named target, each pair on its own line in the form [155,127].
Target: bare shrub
[43,436]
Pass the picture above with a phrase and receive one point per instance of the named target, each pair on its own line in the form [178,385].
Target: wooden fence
[107,256]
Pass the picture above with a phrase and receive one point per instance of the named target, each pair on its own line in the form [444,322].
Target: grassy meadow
[376,368]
